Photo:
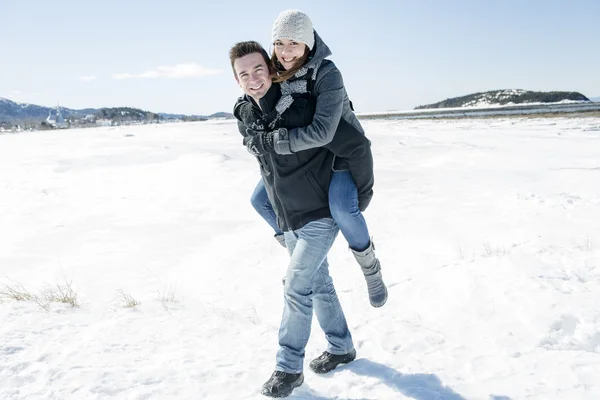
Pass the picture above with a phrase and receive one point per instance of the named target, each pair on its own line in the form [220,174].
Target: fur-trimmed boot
[371,268]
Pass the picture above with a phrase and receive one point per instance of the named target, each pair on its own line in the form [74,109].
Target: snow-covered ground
[485,109]
[487,230]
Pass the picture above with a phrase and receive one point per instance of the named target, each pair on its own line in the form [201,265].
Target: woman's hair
[280,73]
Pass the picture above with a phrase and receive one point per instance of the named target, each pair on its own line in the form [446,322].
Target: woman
[301,69]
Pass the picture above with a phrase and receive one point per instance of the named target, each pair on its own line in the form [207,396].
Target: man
[296,185]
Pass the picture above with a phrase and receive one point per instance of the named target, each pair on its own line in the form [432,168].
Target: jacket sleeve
[349,143]
[330,93]
[242,112]
[242,129]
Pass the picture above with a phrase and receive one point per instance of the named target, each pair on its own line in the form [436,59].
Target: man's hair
[242,49]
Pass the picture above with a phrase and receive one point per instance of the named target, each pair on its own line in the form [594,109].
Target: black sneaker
[281,384]
[327,361]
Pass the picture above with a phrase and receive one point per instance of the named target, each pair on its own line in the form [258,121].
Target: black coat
[297,184]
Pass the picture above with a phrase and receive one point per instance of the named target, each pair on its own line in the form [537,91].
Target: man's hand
[260,143]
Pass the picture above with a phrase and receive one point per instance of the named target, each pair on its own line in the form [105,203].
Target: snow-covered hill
[507,96]
[12,112]
[487,230]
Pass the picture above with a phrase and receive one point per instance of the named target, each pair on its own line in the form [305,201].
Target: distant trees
[124,115]
[16,116]
[193,118]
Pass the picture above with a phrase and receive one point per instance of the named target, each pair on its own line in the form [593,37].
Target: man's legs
[308,281]
[330,314]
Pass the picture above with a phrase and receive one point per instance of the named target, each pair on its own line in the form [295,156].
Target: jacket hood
[321,51]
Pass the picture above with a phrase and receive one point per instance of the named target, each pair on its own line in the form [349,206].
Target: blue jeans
[343,204]
[262,205]
[308,286]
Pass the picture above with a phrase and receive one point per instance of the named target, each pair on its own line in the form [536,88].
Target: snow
[491,99]
[487,231]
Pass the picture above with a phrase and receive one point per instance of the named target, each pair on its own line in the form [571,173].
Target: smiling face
[288,52]
[252,74]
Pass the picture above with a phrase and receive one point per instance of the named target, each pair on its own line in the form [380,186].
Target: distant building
[104,122]
[57,120]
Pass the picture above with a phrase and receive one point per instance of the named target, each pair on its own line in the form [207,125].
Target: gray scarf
[288,88]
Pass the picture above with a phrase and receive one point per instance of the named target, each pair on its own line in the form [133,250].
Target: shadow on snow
[414,386]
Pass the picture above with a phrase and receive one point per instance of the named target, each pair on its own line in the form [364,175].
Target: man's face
[252,74]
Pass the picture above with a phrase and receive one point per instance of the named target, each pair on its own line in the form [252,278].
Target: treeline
[127,114]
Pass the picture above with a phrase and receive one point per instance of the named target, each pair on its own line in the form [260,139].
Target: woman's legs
[343,202]
[262,205]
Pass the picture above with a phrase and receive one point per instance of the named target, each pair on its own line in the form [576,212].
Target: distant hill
[221,115]
[12,112]
[503,97]
[122,115]
[183,117]
[34,116]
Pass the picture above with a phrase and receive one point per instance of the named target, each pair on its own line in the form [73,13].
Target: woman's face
[288,52]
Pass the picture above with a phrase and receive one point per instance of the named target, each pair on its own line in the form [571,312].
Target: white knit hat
[294,25]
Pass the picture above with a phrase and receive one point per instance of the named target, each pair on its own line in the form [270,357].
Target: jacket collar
[268,101]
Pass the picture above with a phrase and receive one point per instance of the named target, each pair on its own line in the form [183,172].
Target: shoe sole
[320,372]
[384,301]
[296,384]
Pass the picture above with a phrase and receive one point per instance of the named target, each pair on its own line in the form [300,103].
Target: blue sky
[394,55]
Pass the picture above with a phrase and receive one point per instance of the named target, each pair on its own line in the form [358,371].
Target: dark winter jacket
[297,184]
